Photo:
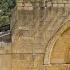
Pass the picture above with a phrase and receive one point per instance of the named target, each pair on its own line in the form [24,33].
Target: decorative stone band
[29,5]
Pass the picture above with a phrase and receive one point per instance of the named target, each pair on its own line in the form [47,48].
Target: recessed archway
[60,50]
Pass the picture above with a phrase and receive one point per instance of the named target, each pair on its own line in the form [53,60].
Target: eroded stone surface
[41,37]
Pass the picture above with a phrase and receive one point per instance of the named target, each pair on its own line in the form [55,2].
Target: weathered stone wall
[41,36]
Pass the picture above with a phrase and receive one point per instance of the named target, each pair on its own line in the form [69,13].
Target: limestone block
[5,62]
[22,61]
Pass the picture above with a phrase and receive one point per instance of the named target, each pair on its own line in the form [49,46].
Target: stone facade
[41,36]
